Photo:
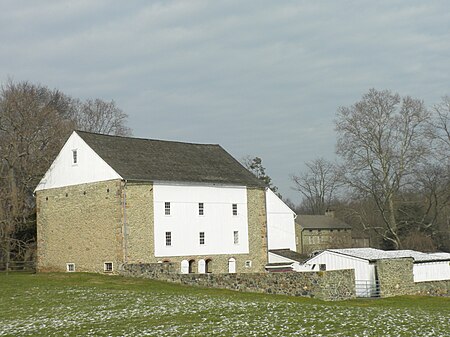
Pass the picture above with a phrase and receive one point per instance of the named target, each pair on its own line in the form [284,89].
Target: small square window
[168,238]
[70,267]
[200,208]
[248,264]
[322,266]
[167,208]
[202,238]
[108,267]
[74,157]
[236,237]
[235,209]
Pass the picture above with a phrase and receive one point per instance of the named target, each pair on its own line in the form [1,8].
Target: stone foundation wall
[329,285]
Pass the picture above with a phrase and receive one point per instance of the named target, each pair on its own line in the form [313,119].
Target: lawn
[97,305]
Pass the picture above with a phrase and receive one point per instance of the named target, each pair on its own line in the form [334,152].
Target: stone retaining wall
[396,278]
[432,288]
[328,285]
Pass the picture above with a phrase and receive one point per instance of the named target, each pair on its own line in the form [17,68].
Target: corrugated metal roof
[321,222]
[373,254]
[159,160]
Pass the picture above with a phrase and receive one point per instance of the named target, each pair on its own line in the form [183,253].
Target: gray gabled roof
[289,254]
[321,222]
[159,160]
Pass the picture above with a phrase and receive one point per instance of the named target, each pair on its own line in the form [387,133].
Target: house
[375,266]
[110,200]
[319,232]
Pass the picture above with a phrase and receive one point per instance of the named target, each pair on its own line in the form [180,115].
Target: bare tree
[33,126]
[441,125]
[317,185]
[34,123]
[380,141]
[96,115]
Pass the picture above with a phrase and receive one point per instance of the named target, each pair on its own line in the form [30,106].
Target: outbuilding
[426,266]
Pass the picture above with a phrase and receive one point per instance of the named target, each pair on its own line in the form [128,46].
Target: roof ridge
[144,139]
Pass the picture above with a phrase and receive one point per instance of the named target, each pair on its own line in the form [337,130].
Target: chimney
[329,212]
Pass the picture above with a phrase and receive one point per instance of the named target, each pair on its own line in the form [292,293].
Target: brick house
[319,232]
[109,200]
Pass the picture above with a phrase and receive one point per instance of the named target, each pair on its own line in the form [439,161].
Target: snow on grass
[93,311]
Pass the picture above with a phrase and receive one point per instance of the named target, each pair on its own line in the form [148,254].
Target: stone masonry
[395,276]
[328,285]
[80,224]
[139,218]
[310,240]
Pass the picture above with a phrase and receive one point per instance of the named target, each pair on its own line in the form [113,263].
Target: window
[70,267]
[167,208]
[200,208]
[236,237]
[248,264]
[168,238]
[234,209]
[108,267]
[74,157]
[322,267]
[202,238]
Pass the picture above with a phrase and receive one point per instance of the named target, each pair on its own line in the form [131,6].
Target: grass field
[97,305]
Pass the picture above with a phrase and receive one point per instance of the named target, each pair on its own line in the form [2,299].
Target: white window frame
[168,236]
[236,237]
[106,269]
[167,208]
[248,264]
[201,236]
[70,267]
[235,209]
[201,209]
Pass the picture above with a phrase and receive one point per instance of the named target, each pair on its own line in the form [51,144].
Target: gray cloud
[261,78]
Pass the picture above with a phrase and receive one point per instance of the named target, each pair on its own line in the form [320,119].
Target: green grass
[96,305]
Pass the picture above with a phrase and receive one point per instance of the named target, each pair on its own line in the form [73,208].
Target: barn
[365,261]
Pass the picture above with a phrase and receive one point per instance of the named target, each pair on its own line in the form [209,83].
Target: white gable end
[280,223]
[88,168]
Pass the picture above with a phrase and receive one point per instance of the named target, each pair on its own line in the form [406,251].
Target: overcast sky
[260,78]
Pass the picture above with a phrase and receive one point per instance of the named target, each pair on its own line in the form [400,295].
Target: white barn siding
[280,223]
[88,169]
[184,222]
[431,271]
[364,271]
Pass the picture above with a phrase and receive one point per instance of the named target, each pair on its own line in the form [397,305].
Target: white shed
[338,259]
[426,267]
[431,267]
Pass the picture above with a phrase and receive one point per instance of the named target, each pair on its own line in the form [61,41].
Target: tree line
[391,180]
[35,121]
[392,176]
